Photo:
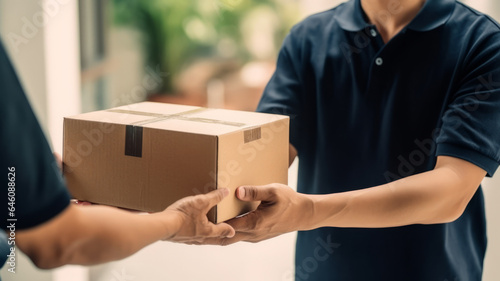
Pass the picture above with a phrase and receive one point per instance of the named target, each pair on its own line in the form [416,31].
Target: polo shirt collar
[433,14]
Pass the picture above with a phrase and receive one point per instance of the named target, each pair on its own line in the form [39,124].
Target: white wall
[62,65]
[492,195]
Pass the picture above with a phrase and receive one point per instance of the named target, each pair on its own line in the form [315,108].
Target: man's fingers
[247,222]
[255,193]
[226,241]
[223,230]
[214,197]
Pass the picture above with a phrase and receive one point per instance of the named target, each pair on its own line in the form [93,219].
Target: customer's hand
[281,210]
[58,159]
[190,215]
[80,203]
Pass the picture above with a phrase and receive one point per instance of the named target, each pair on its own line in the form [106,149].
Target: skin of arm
[437,196]
[292,154]
[89,235]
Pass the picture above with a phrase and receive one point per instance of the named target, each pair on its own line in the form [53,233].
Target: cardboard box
[148,155]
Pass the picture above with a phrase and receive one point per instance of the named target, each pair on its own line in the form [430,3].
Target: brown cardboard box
[146,156]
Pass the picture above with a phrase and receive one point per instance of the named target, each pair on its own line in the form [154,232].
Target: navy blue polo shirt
[29,172]
[364,113]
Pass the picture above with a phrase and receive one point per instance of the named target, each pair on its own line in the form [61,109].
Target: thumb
[223,230]
[255,193]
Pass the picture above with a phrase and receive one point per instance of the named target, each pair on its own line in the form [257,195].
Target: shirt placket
[377,71]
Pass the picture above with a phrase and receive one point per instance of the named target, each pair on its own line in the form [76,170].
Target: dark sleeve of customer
[33,189]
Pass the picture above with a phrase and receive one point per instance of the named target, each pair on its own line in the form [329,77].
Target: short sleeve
[471,122]
[283,93]
[28,167]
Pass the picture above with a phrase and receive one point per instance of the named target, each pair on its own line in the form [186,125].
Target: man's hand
[95,234]
[281,210]
[192,222]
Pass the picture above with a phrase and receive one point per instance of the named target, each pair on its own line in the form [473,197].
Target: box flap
[182,118]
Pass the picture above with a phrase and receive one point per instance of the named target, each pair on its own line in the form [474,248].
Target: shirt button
[373,32]
[379,61]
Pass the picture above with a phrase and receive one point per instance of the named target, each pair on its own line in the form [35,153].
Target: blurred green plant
[174,33]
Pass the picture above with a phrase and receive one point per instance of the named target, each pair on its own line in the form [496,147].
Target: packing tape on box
[178,116]
[133,132]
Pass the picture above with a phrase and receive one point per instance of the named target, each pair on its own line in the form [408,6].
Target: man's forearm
[96,234]
[118,234]
[437,196]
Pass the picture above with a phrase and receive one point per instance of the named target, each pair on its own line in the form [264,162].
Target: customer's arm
[94,234]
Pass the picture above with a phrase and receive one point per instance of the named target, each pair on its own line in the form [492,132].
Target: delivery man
[395,117]
[38,218]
